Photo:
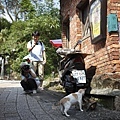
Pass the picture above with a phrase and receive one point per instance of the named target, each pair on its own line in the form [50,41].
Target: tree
[48,7]
[19,33]
[11,7]
[4,32]
[27,10]
[4,24]
[17,9]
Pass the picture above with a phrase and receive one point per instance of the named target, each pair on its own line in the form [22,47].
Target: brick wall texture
[104,55]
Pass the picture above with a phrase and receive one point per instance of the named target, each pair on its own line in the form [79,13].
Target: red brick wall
[104,55]
[68,11]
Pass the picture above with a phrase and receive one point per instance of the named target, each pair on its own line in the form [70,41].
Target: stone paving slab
[15,105]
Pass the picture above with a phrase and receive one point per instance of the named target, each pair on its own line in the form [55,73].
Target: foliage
[27,9]
[17,9]
[19,34]
[4,31]
[4,24]
[45,8]
[14,38]
[11,7]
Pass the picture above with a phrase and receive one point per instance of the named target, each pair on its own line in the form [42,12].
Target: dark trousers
[30,84]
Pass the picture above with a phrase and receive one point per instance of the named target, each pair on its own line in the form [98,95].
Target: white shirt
[36,54]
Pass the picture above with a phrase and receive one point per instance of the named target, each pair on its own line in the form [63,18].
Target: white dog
[71,99]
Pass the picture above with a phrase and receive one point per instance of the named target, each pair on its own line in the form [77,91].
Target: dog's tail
[56,105]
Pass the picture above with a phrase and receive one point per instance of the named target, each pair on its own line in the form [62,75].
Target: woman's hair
[24,69]
[35,33]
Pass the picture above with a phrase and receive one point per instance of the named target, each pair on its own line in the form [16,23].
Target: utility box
[112,22]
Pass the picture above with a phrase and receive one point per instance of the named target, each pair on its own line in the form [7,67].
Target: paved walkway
[16,105]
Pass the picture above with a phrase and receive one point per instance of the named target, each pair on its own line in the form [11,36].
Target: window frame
[84,6]
[66,24]
[101,25]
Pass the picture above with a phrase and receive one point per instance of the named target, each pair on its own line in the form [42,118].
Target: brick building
[96,23]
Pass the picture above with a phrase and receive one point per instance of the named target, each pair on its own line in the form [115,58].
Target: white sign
[79,75]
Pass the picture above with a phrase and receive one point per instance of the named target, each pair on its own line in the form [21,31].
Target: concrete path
[15,105]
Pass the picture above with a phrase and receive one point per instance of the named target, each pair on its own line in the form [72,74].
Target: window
[83,7]
[67,32]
